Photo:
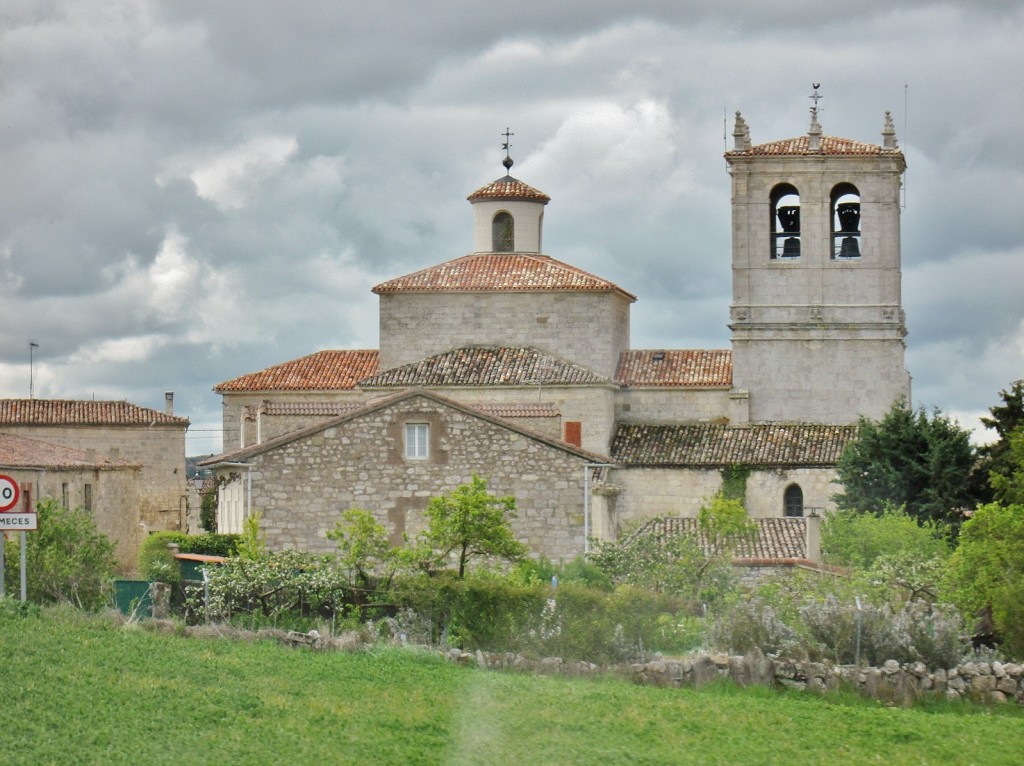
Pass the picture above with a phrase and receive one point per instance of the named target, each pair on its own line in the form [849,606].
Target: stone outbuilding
[391,457]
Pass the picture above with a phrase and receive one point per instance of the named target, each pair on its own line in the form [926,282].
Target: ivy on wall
[734,481]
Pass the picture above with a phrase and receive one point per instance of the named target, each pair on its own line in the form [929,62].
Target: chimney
[813,521]
[169,402]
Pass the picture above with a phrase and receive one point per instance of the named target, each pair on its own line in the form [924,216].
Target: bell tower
[816,317]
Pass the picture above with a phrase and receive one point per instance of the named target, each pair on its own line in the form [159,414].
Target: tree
[854,539]
[1008,481]
[66,559]
[911,459]
[469,523]
[987,569]
[363,547]
[684,565]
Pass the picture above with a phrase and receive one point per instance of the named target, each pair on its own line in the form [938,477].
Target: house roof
[830,145]
[486,366]
[777,538]
[64,412]
[707,445]
[246,453]
[24,453]
[324,370]
[506,272]
[508,188]
[675,368]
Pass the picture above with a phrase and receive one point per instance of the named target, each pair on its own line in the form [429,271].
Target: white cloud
[227,177]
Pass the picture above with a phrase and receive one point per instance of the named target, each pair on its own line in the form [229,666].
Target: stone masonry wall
[302,487]
[976,681]
[588,329]
[159,449]
[114,502]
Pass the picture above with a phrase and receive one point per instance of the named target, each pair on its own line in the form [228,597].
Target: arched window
[785,222]
[794,500]
[503,233]
[845,222]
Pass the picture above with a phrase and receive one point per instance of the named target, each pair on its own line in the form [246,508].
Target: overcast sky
[193,190]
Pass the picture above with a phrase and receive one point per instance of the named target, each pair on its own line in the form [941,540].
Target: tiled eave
[675,368]
[486,366]
[22,453]
[716,446]
[778,540]
[332,370]
[82,412]
[500,272]
[832,146]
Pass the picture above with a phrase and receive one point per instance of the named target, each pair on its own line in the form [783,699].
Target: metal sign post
[13,519]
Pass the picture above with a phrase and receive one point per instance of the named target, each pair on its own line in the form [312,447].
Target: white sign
[18,522]
[9,493]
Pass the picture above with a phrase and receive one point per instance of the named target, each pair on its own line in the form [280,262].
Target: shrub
[156,562]
[67,559]
[751,623]
[211,544]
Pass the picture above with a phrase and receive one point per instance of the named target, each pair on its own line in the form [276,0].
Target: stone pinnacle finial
[507,162]
[741,134]
[889,133]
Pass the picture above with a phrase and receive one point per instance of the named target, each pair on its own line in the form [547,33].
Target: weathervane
[815,97]
[507,162]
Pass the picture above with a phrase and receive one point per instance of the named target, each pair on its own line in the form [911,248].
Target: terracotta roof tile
[21,452]
[491,272]
[777,538]
[61,412]
[485,366]
[683,368]
[508,188]
[310,409]
[707,445]
[800,145]
[324,370]
[506,411]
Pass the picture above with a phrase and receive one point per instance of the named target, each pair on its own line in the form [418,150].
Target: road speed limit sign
[9,493]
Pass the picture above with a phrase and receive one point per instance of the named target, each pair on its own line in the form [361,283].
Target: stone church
[515,366]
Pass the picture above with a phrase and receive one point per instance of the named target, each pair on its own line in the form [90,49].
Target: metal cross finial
[815,96]
[507,162]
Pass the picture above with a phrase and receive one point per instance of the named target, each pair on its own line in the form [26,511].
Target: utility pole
[32,346]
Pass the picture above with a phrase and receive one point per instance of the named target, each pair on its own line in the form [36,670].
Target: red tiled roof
[492,272]
[707,445]
[777,538]
[670,368]
[21,452]
[486,366]
[508,188]
[324,370]
[801,145]
[62,412]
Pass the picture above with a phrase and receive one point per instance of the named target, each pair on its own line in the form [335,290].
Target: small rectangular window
[87,497]
[64,495]
[417,436]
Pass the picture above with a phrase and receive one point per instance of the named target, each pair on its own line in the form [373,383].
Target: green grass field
[82,690]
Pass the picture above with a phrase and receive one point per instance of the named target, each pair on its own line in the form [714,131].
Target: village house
[122,462]
[506,352]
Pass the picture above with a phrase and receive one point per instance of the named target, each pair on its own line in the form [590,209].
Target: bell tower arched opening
[785,223]
[793,500]
[846,238]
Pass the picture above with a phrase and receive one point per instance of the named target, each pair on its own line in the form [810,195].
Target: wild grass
[85,690]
